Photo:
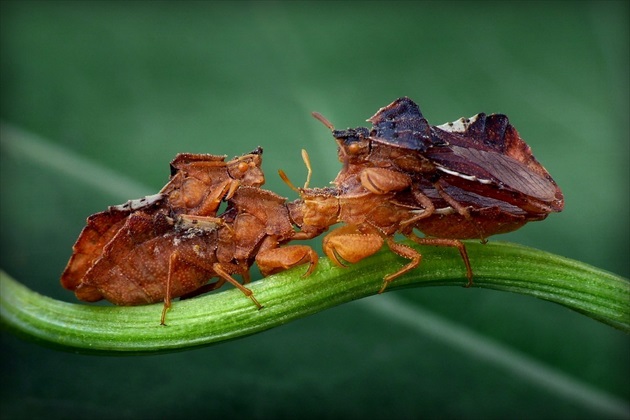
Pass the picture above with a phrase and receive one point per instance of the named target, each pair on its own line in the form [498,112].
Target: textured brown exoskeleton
[261,222]
[368,219]
[170,244]
[469,179]
[162,246]
[198,184]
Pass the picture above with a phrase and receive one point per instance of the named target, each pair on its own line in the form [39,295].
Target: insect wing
[100,229]
[486,155]
[401,124]
[184,161]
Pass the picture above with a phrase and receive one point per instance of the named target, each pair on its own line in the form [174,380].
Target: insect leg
[167,295]
[226,276]
[351,244]
[233,186]
[428,210]
[175,259]
[464,211]
[454,243]
[405,252]
[211,202]
[275,260]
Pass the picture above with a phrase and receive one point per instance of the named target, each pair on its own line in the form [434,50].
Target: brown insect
[260,222]
[469,179]
[162,246]
[369,220]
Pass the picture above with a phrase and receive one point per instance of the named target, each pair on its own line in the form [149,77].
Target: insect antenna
[307,162]
[287,181]
[285,178]
[323,120]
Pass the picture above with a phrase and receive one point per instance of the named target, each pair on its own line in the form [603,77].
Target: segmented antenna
[285,178]
[323,120]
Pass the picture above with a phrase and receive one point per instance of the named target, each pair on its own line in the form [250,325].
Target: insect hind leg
[453,243]
[227,277]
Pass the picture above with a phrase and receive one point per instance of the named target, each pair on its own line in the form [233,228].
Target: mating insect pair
[469,179]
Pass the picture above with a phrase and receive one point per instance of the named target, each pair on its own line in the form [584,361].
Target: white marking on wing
[466,177]
[140,203]
[459,126]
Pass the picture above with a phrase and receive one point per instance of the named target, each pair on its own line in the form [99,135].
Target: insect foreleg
[428,210]
[405,252]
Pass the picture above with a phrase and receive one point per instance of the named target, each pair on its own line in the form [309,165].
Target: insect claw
[335,259]
[256,302]
[313,260]
[385,284]
[163,318]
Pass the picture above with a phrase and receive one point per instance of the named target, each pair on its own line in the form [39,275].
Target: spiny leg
[350,244]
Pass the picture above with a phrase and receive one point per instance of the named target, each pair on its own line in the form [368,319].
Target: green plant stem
[288,296]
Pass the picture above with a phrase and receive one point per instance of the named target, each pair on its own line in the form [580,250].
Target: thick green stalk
[289,296]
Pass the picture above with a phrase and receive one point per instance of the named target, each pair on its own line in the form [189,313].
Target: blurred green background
[104,94]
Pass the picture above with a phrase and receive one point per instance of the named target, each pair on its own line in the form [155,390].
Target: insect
[472,178]
[368,220]
[261,222]
[162,246]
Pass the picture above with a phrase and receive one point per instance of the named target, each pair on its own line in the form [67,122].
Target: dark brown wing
[401,124]
[487,154]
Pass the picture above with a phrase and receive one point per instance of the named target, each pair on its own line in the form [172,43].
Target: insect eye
[354,148]
[243,166]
